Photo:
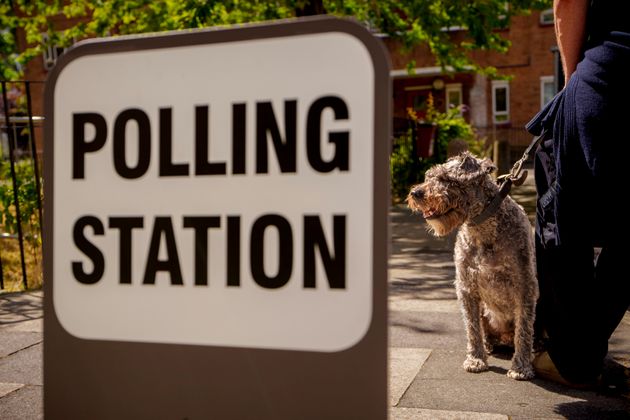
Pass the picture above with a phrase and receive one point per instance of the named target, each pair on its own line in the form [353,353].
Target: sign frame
[115,379]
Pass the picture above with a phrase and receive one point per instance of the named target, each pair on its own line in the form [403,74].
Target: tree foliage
[411,21]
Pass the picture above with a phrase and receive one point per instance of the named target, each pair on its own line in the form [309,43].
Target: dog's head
[452,192]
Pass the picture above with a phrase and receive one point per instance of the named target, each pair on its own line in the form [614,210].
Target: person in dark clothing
[581,227]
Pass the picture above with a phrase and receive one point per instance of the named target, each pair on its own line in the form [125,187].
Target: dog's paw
[522,374]
[473,364]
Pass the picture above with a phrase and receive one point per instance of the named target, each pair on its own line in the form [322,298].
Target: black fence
[20,187]
[508,145]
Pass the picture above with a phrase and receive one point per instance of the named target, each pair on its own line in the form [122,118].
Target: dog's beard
[440,219]
[444,224]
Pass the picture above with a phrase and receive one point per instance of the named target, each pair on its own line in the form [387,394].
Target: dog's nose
[417,193]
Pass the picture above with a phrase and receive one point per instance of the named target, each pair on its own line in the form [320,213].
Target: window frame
[543,17]
[496,85]
[51,52]
[543,81]
[454,87]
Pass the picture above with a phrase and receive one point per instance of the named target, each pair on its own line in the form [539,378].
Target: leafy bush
[27,197]
[406,169]
[31,228]
[402,165]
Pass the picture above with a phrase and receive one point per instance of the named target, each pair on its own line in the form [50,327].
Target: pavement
[21,346]
[426,339]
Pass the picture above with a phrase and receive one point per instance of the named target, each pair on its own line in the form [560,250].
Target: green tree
[411,21]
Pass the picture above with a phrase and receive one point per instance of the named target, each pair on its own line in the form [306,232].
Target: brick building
[498,109]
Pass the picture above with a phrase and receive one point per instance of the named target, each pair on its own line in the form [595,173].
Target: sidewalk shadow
[590,405]
[603,403]
[421,265]
[19,307]
[579,410]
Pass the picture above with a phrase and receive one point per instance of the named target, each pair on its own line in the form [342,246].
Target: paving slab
[425,414]
[23,367]
[24,404]
[424,305]
[14,341]
[31,326]
[404,365]
[619,343]
[421,284]
[426,330]
[6,389]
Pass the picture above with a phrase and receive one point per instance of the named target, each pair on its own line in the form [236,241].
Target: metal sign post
[216,225]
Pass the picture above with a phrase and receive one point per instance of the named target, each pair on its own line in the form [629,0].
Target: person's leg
[580,307]
[545,274]
[568,310]
[613,282]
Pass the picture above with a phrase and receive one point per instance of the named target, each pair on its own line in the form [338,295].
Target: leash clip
[517,175]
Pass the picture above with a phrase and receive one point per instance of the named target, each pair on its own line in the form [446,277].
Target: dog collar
[494,204]
[516,176]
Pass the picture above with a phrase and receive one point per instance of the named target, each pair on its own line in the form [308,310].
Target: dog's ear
[468,163]
[472,168]
[487,166]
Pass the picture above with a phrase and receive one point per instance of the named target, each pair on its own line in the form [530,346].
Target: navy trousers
[582,173]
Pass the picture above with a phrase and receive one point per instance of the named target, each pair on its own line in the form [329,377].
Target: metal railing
[508,144]
[19,151]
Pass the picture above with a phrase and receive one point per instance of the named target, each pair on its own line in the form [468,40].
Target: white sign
[217,194]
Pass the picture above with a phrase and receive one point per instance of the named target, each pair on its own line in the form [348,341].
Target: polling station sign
[216,210]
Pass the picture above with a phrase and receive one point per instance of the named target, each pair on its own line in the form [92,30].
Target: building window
[546,17]
[500,101]
[453,95]
[419,103]
[51,52]
[547,89]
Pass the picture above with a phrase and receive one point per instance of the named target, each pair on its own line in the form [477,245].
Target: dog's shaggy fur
[494,260]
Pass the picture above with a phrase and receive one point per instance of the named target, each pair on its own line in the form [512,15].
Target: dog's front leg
[523,341]
[476,357]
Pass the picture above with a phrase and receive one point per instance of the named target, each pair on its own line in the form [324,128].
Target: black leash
[516,177]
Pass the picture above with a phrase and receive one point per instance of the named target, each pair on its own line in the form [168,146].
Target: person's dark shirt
[606,16]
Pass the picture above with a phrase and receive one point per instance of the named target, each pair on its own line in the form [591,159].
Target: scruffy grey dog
[494,258]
